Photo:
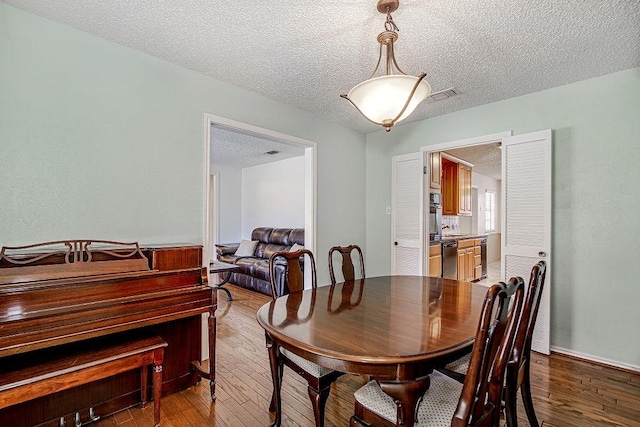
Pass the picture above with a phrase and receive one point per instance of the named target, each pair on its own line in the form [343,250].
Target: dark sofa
[254,270]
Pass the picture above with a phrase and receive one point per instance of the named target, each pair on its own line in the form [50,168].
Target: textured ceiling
[240,149]
[306,52]
[486,158]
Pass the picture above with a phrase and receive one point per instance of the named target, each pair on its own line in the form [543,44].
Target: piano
[68,294]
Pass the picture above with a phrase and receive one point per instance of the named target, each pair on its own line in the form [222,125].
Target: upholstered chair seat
[436,408]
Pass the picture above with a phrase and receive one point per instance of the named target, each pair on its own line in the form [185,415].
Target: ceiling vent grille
[443,94]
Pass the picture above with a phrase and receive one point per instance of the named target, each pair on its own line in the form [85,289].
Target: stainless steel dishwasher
[483,256]
[450,260]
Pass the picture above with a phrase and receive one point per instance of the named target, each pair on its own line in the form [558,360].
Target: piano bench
[76,368]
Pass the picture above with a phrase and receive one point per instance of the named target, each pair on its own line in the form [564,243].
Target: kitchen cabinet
[464,189]
[456,188]
[435,260]
[477,260]
[435,171]
[469,264]
[462,270]
[449,187]
[469,260]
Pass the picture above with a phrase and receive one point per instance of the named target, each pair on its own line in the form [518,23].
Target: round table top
[377,320]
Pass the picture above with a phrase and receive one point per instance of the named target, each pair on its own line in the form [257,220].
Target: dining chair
[348,269]
[447,402]
[518,368]
[319,378]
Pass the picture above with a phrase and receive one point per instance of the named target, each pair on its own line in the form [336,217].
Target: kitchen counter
[456,237]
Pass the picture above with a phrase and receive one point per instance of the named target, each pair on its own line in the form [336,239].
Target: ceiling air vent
[443,94]
[272,152]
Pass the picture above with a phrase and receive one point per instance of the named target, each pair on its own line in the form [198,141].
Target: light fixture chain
[389,25]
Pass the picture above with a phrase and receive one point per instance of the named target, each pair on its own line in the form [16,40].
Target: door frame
[468,142]
[310,176]
[214,214]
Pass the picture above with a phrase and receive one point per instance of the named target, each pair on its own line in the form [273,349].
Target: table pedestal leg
[406,394]
[224,282]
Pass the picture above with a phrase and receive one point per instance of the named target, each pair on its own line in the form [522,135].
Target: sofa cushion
[296,236]
[246,248]
[280,236]
[261,234]
[272,248]
[296,247]
[255,267]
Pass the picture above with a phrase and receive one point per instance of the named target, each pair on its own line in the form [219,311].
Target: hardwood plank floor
[567,392]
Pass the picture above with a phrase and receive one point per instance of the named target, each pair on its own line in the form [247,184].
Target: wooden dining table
[394,328]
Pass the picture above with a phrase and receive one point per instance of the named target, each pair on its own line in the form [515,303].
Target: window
[490,211]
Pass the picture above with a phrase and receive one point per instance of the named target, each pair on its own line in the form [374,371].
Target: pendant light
[390,97]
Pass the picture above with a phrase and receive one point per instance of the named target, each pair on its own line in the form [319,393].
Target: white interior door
[407,218]
[526,228]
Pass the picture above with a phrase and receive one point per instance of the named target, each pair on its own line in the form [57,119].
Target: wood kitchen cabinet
[469,260]
[464,189]
[435,171]
[469,264]
[477,260]
[449,187]
[456,188]
[435,260]
[462,269]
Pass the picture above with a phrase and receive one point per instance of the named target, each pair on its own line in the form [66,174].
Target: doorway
[210,222]
[525,207]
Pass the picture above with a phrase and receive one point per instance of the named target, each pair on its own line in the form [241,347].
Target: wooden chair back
[481,397]
[518,369]
[348,269]
[522,346]
[294,273]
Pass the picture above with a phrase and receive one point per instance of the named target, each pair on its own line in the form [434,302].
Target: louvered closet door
[407,218]
[526,226]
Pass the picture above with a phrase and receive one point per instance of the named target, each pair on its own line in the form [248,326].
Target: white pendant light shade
[381,99]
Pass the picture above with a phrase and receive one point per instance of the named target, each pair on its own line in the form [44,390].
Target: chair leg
[525,389]
[272,405]
[510,395]
[319,401]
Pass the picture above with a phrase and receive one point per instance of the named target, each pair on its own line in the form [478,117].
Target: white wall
[230,201]
[485,183]
[596,158]
[494,248]
[273,195]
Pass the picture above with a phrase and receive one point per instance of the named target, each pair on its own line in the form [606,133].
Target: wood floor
[567,392]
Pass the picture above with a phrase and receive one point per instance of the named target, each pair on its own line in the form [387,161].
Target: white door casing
[407,217]
[526,226]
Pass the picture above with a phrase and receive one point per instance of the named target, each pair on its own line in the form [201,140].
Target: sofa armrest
[235,261]
[227,248]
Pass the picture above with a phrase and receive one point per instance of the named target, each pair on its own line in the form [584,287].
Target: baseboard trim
[598,360]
